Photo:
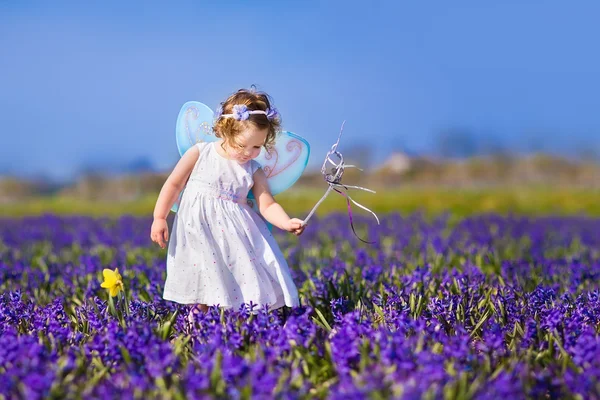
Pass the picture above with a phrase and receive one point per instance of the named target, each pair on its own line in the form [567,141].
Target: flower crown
[241,113]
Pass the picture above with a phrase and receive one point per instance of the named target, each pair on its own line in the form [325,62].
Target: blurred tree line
[460,160]
[398,170]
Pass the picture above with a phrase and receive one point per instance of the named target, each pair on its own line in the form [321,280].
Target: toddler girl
[221,251]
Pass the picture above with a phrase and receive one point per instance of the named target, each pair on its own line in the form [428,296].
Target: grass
[431,201]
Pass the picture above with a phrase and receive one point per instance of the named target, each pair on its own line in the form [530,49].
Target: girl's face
[249,142]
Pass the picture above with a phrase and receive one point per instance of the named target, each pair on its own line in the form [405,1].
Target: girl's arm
[270,209]
[175,183]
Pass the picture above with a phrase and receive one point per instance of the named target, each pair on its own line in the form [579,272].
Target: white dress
[220,250]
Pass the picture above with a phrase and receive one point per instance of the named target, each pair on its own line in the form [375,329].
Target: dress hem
[190,301]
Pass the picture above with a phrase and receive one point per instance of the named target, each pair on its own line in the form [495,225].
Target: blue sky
[86,83]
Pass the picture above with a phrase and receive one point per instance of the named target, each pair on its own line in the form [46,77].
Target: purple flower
[240,112]
[508,302]
[272,113]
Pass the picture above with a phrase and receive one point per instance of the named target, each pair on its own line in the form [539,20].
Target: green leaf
[125,354]
[481,322]
[325,324]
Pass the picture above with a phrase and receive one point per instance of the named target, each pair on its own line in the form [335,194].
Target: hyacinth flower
[488,307]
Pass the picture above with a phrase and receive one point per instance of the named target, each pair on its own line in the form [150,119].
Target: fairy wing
[194,125]
[283,164]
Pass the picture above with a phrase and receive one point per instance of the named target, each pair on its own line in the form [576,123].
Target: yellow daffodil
[112,281]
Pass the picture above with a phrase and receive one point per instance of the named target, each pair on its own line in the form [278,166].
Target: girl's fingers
[158,238]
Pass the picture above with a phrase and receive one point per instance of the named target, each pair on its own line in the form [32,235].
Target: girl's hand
[159,232]
[295,226]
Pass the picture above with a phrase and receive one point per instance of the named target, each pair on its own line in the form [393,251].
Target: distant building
[397,163]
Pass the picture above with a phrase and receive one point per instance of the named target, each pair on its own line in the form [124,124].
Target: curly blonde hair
[228,128]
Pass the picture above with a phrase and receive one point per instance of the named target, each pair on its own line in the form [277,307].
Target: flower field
[486,307]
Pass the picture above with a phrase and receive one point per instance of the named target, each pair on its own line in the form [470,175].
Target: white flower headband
[241,113]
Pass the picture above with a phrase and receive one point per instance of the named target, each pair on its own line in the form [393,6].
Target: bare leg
[196,309]
[202,307]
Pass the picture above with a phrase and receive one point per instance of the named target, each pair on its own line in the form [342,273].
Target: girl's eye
[257,147]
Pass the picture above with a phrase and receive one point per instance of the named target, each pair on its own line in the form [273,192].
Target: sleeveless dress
[221,252]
